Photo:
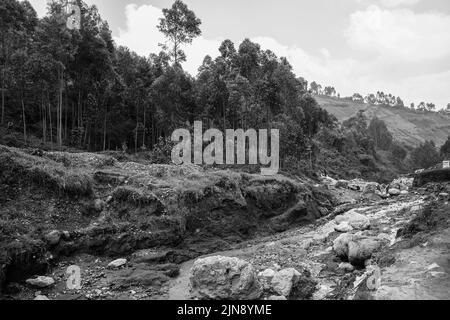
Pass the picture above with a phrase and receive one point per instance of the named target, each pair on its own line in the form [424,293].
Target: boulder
[356,248]
[41,282]
[117,263]
[394,191]
[41,297]
[285,280]
[53,237]
[226,278]
[343,227]
[340,245]
[355,220]
[361,249]
[404,192]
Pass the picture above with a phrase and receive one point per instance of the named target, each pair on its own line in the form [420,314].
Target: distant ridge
[408,127]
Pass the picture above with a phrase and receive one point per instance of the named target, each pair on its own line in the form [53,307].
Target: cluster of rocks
[231,278]
[372,190]
[355,247]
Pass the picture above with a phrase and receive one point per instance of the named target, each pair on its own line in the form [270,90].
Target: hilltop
[408,127]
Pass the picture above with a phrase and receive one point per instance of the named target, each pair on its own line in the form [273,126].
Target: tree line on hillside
[380,98]
[77,88]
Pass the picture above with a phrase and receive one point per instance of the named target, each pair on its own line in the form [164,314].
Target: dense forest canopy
[77,88]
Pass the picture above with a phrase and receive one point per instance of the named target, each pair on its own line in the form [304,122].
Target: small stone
[66,235]
[404,192]
[117,263]
[99,205]
[267,274]
[41,282]
[394,192]
[346,266]
[276,298]
[53,237]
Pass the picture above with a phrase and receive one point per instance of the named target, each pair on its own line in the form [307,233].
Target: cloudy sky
[396,46]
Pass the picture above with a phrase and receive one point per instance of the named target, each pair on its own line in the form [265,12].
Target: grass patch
[134,196]
[19,167]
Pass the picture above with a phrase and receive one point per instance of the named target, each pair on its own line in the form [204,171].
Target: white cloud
[391,3]
[400,34]
[396,3]
[40,6]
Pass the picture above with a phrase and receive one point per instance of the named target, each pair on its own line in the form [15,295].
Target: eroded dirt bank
[59,207]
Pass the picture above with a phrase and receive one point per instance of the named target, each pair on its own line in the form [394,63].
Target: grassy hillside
[408,127]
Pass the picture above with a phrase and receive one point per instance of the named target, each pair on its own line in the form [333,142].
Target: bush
[162,151]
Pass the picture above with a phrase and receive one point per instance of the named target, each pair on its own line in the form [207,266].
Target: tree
[425,155]
[431,106]
[445,149]
[379,132]
[180,26]
[399,102]
[314,87]
[357,97]
[398,152]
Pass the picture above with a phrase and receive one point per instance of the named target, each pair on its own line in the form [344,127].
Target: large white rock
[221,277]
[41,298]
[343,227]
[117,263]
[355,220]
[285,280]
[41,282]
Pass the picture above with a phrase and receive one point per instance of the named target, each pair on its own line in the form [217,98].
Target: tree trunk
[44,119]
[24,120]
[3,79]
[104,130]
[60,108]
[143,133]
